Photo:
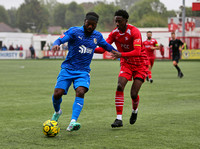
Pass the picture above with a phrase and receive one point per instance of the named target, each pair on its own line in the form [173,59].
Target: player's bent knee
[80,92]
[120,87]
[58,94]
[134,96]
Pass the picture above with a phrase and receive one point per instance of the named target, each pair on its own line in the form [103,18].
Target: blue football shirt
[81,48]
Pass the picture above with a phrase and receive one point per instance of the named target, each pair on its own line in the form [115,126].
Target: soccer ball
[50,128]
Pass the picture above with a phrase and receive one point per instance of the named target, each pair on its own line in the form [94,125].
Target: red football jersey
[130,45]
[172,27]
[148,44]
[187,26]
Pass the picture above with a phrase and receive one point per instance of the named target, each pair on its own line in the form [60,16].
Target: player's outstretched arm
[99,50]
[116,54]
[62,39]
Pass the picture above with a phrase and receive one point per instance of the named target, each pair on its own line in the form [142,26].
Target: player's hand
[152,48]
[116,54]
[56,48]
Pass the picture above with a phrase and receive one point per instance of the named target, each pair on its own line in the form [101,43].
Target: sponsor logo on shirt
[84,49]
[125,46]
[129,31]
[95,40]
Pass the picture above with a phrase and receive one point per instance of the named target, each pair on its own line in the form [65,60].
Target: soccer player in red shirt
[150,45]
[133,61]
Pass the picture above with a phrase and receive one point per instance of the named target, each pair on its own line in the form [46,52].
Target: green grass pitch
[168,118]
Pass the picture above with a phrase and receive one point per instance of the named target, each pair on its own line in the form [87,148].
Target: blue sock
[56,104]
[77,107]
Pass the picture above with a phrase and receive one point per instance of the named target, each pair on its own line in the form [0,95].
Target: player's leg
[61,89]
[175,63]
[149,74]
[135,98]
[81,86]
[77,108]
[151,62]
[119,101]
[149,69]
[57,99]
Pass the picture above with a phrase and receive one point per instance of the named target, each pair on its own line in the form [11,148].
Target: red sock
[119,102]
[135,102]
[149,74]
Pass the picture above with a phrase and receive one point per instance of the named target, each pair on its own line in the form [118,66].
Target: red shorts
[133,71]
[151,61]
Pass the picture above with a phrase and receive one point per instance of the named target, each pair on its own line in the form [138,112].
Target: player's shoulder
[73,30]
[133,28]
[115,31]
[97,34]
[145,41]
[153,39]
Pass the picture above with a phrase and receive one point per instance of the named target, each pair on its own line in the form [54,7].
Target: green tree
[12,14]
[50,6]
[106,14]
[190,13]
[152,21]
[125,4]
[32,16]
[59,15]
[74,15]
[147,8]
[3,15]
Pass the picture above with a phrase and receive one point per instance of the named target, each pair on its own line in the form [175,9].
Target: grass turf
[168,118]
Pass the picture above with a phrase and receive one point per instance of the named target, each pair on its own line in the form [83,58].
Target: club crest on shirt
[63,35]
[95,40]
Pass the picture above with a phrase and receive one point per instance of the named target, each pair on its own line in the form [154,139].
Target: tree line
[37,15]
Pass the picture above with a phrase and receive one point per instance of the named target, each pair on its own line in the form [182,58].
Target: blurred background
[35,24]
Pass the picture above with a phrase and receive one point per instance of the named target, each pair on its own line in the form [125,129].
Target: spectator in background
[4,48]
[162,50]
[32,50]
[21,48]
[180,25]
[11,48]
[65,46]
[46,47]
[51,46]
[192,24]
[187,25]
[185,47]
[17,48]
[172,27]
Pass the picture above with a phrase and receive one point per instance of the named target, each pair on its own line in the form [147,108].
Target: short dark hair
[172,33]
[149,32]
[92,15]
[122,13]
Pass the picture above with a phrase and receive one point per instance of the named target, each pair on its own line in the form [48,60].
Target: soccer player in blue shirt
[81,43]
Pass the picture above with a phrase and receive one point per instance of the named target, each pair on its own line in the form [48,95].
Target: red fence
[192,42]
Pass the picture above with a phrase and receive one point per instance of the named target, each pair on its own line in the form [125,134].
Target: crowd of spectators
[47,47]
[189,25]
[11,48]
